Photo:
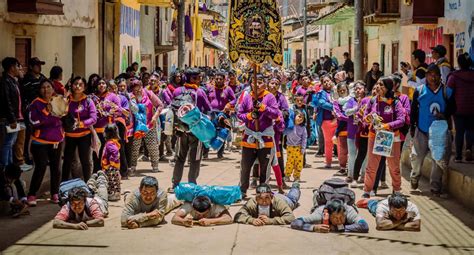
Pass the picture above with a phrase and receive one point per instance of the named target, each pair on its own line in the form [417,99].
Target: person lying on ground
[393,213]
[335,216]
[80,212]
[147,205]
[265,209]
[203,212]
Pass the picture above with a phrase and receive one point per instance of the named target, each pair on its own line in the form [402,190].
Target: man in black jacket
[10,104]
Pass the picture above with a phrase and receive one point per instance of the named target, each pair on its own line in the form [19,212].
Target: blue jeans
[7,149]
[292,197]
[352,149]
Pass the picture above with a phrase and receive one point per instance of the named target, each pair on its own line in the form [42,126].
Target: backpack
[66,186]
[333,188]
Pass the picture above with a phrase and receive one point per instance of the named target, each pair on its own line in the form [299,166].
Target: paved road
[447,228]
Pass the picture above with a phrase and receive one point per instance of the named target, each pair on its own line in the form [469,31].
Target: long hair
[387,82]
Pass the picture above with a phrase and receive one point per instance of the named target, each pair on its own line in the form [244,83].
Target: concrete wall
[52,34]
[147,36]
[129,34]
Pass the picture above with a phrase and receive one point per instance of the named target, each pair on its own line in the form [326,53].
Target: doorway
[79,55]
[23,50]
[395,51]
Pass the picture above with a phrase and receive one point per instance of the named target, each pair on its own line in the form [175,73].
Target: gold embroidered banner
[255,31]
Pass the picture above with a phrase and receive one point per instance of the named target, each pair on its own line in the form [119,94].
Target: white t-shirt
[383,210]
[214,212]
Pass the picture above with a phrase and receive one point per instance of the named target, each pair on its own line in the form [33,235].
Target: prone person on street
[267,209]
[335,216]
[203,212]
[146,206]
[393,213]
[81,211]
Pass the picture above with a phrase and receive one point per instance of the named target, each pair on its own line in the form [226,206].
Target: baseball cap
[440,49]
[35,61]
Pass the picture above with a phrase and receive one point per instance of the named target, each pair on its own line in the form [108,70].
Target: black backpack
[334,188]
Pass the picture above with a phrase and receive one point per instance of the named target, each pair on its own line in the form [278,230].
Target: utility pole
[181,36]
[359,40]
[305,41]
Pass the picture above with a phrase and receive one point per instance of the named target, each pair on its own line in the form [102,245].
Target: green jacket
[280,212]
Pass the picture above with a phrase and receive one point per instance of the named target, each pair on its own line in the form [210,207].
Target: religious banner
[255,31]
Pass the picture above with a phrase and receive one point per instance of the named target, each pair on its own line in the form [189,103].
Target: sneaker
[468,155]
[366,195]
[103,175]
[328,166]
[296,185]
[414,184]
[163,158]
[25,167]
[360,180]
[101,180]
[31,200]
[342,172]
[156,170]
[55,199]
[349,180]
[143,158]
[373,193]
[253,184]
[354,185]
[94,176]
[132,170]
[114,197]
[307,166]
[383,185]
[286,179]
[296,180]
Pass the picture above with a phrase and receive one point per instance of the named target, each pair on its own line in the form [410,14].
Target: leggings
[151,143]
[294,162]
[44,155]
[361,159]
[83,144]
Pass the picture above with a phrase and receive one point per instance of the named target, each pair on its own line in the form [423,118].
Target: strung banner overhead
[255,31]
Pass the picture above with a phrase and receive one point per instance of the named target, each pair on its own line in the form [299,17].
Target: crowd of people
[96,129]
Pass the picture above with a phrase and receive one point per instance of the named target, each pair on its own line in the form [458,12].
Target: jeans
[464,128]
[361,160]
[292,197]
[7,149]
[418,153]
[351,146]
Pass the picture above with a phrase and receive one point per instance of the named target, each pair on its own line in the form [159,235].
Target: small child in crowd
[111,161]
[296,146]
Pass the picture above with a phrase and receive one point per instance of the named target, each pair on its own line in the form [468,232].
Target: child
[111,161]
[341,132]
[13,191]
[296,146]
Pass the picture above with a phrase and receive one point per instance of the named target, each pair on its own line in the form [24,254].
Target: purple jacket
[351,109]
[85,113]
[297,136]
[282,102]
[166,96]
[393,115]
[47,129]
[111,155]
[220,97]
[268,113]
[104,105]
[202,102]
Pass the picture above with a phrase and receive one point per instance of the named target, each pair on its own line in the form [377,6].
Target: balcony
[38,7]
[419,12]
[380,12]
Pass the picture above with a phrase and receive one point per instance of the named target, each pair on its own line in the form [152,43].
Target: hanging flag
[198,31]
[188,27]
[255,31]
[214,28]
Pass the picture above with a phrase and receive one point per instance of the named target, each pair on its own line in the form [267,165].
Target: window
[146,10]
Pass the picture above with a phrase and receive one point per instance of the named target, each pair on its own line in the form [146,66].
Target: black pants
[464,129]
[248,158]
[123,155]
[98,158]
[361,154]
[83,144]
[129,148]
[187,142]
[320,140]
[44,155]
[380,173]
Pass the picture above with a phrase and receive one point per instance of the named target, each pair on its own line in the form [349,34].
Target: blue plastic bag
[141,128]
[217,142]
[200,126]
[290,121]
[437,140]
[222,195]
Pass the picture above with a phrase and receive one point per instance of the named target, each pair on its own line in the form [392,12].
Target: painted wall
[129,34]
[459,21]
[52,34]
[147,37]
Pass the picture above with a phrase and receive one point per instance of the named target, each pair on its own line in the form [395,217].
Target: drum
[59,106]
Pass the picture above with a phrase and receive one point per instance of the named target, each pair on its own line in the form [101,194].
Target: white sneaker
[25,167]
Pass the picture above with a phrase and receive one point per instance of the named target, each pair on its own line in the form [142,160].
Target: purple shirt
[85,113]
[220,97]
[297,136]
[104,105]
[393,115]
[47,129]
